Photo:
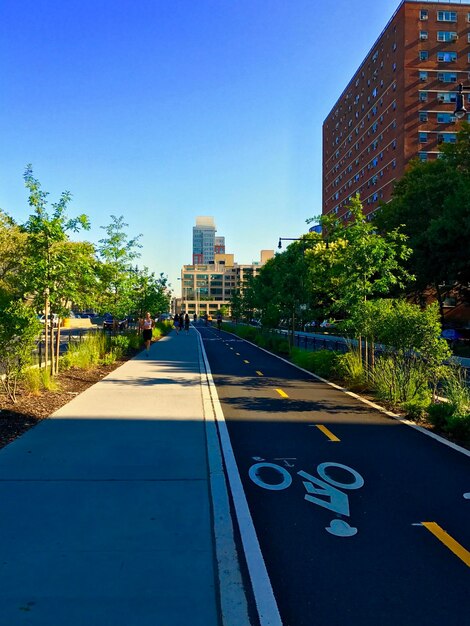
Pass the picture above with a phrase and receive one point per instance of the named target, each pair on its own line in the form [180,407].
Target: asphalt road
[376,529]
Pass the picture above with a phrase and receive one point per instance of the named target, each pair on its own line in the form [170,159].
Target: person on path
[181,321]
[186,323]
[219,320]
[176,323]
[195,318]
[146,326]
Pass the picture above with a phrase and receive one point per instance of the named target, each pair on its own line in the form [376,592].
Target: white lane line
[262,590]
[233,603]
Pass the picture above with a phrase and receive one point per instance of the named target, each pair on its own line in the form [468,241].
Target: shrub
[32,381]
[18,332]
[439,414]
[395,382]
[119,346]
[416,409]
[48,382]
[321,362]
[87,353]
[453,416]
[459,426]
[351,369]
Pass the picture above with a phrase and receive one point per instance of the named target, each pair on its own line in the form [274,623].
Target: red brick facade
[398,105]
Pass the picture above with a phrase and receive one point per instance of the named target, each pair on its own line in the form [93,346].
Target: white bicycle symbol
[325,486]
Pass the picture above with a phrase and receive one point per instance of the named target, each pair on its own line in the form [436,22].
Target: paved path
[105,509]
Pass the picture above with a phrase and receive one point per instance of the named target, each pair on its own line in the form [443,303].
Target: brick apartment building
[398,105]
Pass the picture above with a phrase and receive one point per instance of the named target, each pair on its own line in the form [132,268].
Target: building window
[445,35]
[423,156]
[448,138]
[446,16]
[447,57]
[423,116]
[423,96]
[423,137]
[447,77]
[423,55]
[446,97]
[394,67]
[423,35]
[444,118]
[423,15]
[423,76]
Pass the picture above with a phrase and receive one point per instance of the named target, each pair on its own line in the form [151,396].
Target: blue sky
[162,110]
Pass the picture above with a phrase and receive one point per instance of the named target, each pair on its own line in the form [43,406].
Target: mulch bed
[17,418]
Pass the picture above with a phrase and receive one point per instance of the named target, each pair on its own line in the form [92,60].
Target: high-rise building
[204,240]
[219,245]
[399,104]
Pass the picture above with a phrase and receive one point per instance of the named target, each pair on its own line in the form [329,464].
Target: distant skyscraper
[203,240]
[219,245]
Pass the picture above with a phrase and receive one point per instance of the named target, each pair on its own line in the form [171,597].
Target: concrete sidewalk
[105,508]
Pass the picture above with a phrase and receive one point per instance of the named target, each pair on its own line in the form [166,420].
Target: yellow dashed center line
[244,361]
[259,373]
[448,541]
[327,432]
[237,353]
[283,394]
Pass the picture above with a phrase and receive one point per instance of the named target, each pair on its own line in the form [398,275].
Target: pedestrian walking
[146,326]
[181,321]
[176,323]
[186,323]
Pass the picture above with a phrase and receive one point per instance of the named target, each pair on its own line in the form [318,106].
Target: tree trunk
[440,301]
[52,368]
[46,332]
[57,348]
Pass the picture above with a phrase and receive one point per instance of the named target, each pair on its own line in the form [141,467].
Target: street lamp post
[460,110]
[281,239]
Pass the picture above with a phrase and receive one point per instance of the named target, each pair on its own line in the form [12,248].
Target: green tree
[12,252]
[151,292]
[431,204]
[354,263]
[52,265]
[117,253]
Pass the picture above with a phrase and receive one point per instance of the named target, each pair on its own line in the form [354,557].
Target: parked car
[163,317]
[310,327]
[52,317]
[112,323]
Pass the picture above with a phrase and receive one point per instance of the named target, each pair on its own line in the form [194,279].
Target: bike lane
[344,540]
